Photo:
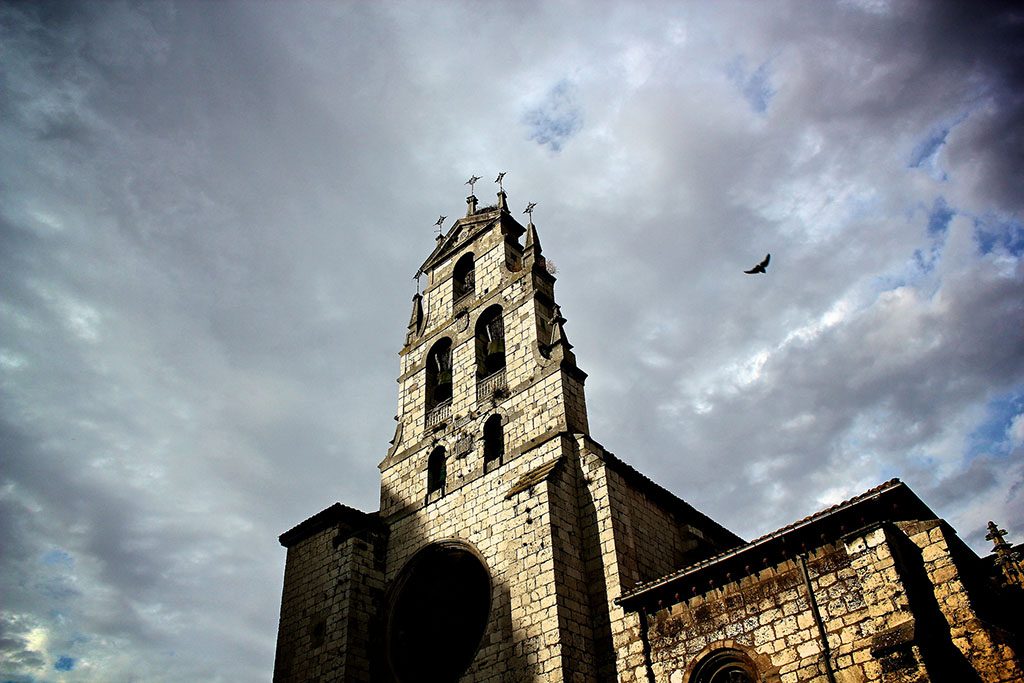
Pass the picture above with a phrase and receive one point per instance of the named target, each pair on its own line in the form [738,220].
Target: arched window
[490,342]
[727,665]
[439,373]
[494,443]
[437,470]
[464,277]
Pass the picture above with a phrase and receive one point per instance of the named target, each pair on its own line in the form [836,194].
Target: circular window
[439,609]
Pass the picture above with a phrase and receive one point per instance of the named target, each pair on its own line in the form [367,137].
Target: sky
[211,214]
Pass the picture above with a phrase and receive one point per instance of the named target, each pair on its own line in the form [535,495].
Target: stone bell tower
[490,404]
[504,532]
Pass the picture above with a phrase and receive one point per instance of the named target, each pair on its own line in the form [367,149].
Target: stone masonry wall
[516,538]
[769,616]
[332,592]
[982,649]
[530,414]
[890,606]
[629,538]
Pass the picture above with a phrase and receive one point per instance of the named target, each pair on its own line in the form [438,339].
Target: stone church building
[510,546]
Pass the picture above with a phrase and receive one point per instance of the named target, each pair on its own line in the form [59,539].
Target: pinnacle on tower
[558,338]
[1006,558]
[532,246]
[416,319]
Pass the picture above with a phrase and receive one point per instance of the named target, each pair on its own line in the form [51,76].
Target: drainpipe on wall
[648,665]
[825,649]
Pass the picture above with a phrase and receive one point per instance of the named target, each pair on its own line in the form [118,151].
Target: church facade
[510,546]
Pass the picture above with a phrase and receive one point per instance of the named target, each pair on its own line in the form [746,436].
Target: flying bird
[760,267]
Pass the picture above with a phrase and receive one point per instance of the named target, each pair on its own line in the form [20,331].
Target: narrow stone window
[439,373]
[490,342]
[437,471]
[464,277]
[494,443]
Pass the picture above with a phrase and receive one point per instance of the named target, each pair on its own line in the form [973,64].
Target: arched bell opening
[439,373]
[490,342]
[464,277]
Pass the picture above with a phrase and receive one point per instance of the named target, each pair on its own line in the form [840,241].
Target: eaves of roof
[888,502]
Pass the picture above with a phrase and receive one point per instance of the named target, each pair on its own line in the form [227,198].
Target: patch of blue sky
[64,663]
[557,118]
[990,437]
[925,154]
[923,259]
[939,217]
[993,233]
[755,86]
[57,558]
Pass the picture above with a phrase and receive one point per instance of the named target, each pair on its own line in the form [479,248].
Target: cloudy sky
[211,213]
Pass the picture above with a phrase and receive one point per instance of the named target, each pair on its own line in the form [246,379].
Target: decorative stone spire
[557,332]
[416,319]
[558,339]
[531,249]
[532,240]
[1007,559]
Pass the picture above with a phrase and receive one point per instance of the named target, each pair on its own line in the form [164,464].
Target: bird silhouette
[760,267]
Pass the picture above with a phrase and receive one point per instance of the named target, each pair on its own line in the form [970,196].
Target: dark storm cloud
[210,214]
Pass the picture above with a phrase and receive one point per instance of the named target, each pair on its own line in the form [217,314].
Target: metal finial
[438,224]
[498,180]
[529,209]
[471,182]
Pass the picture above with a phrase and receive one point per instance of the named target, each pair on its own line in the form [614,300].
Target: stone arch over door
[727,661]
[438,609]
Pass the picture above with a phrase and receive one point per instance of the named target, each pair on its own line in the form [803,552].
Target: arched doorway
[440,604]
